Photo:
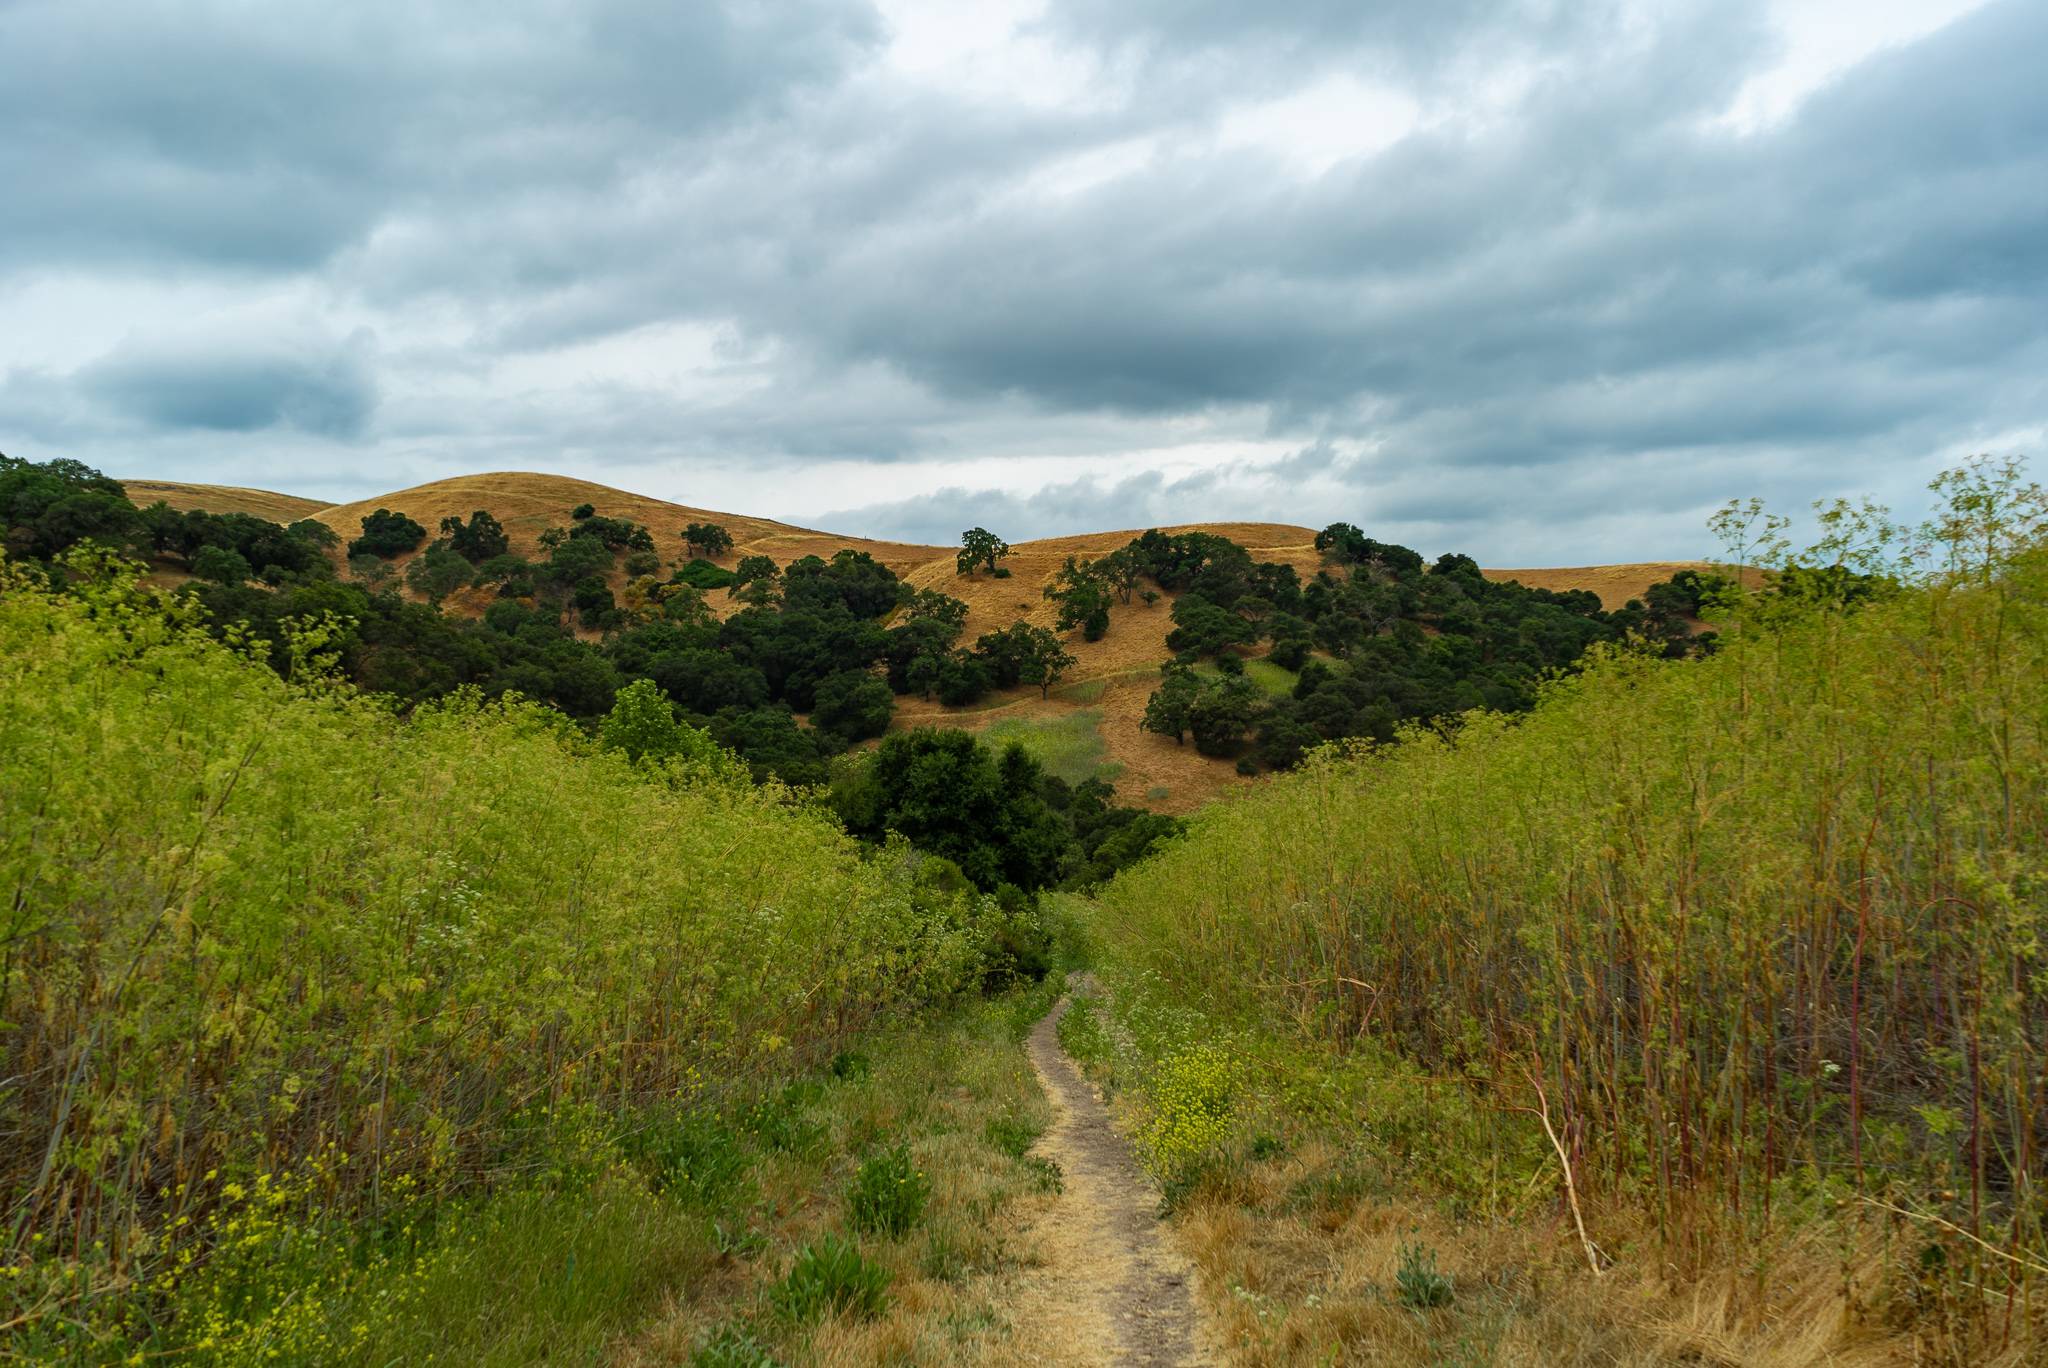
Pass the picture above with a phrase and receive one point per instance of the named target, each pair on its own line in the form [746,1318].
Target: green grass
[1272,680]
[1087,691]
[1275,681]
[1070,746]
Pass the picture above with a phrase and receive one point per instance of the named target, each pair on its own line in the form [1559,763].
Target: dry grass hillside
[262,503]
[1090,722]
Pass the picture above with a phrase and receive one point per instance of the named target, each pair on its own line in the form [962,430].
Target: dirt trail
[1112,1280]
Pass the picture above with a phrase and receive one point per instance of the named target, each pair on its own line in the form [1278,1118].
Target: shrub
[690,1155]
[831,1274]
[702,574]
[1191,1092]
[888,1193]
[387,534]
[1417,1282]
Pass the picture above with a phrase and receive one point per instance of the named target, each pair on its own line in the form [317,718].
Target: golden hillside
[261,503]
[1090,719]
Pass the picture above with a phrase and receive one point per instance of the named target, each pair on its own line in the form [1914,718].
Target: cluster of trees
[48,507]
[1376,637]
[836,639]
[1010,827]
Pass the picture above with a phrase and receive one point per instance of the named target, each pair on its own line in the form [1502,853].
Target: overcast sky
[1541,280]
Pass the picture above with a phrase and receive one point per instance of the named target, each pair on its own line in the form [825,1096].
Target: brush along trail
[1112,1279]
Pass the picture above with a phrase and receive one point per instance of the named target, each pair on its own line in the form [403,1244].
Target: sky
[1543,281]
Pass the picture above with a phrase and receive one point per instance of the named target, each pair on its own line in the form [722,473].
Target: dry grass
[1124,663]
[262,503]
[1292,1282]
[1615,584]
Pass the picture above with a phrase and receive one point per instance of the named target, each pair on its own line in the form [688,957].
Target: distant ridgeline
[1266,665]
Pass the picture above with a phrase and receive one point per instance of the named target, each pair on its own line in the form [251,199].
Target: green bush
[888,1193]
[702,574]
[1417,1282]
[831,1275]
[264,912]
[694,1155]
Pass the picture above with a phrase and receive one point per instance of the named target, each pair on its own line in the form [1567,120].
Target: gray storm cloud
[1570,277]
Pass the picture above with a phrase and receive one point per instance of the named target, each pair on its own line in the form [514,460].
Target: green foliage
[477,540]
[221,564]
[1082,593]
[708,540]
[49,507]
[1011,1135]
[642,723]
[387,534]
[732,1347]
[1171,708]
[702,574]
[979,546]
[1694,902]
[953,797]
[831,1274]
[853,705]
[888,1193]
[757,580]
[1047,663]
[257,913]
[1205,628]
[1417,1283]
[1222,711]
[438,572]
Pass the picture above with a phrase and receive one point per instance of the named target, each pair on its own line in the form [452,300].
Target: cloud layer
[1531,280]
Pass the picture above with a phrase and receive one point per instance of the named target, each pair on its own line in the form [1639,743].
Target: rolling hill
[1089,724]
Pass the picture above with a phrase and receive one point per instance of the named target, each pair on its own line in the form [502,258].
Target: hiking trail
[1113,1279]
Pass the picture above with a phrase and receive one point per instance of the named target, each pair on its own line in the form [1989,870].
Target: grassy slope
[1115,675]
[262,503]
[1728,911]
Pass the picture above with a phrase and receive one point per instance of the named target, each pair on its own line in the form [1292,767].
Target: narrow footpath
[1112,1281]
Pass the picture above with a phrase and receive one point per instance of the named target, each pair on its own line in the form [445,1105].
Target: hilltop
[1089,724]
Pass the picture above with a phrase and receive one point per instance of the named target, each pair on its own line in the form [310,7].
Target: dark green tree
[476,541]
[387,534]
[221,564]
[979,546]
[1205,628]
[1083,597]
[438,572]
[757,580]
[1046,661]
[1221,713]
[853,705]
[708,540]
[1171,706]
